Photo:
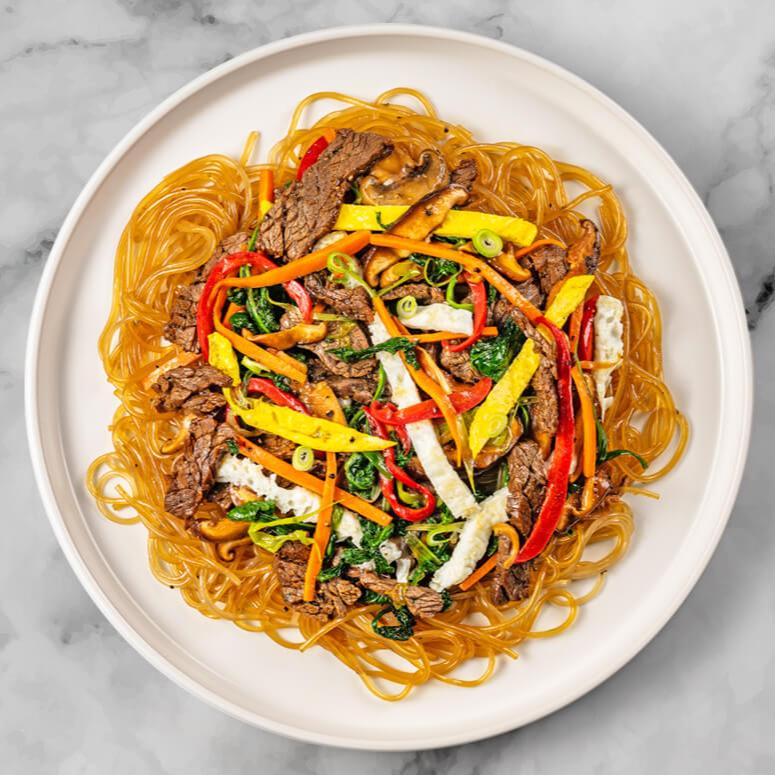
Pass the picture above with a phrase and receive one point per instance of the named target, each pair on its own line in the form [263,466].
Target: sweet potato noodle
[176,228]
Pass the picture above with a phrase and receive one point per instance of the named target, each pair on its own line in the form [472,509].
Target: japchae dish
[385,393]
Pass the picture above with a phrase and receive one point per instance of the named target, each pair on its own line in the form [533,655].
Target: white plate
[500,93]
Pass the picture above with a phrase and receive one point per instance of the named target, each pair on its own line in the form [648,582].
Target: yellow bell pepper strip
[589,454]
[325,397]
[301,333]
[314,262]
[458,223]
[312,432]
[296,372]
[222,357]
[312,483]
[490,417]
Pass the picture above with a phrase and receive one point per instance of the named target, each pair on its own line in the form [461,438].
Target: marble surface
[75,76]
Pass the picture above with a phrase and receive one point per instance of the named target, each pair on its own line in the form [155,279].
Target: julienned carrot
[268,360]
[539,243]
[311,483]
[441,336]
[232,309]
[167,363]
[473,264]
[479,573]
[589,454]
[323,526]
[504,528]
[314,262]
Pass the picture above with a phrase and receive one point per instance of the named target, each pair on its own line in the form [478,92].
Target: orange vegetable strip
[312,483]
[291,362]
[479,573]
[266,359]
[440,336]
[589,455]
[167,363]
[539,243]
[314,262]
[504,528]
[574,329]
[266,186]
[595,365]
[323,526]
[473,264]
[232,309]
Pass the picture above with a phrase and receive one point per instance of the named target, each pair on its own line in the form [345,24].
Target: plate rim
[743,387]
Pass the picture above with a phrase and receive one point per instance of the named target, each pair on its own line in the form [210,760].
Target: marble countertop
[74,77]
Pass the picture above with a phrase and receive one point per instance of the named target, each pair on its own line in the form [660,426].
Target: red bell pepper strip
[388,485]
[388,410]
[479,294]
[587,335]
[462,401]
[312,155]
[293,287]
[272,392]
[557,480]
[227,267]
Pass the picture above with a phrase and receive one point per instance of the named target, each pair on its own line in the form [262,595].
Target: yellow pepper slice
[490,417]
[313,432]
[458,223]
[222,356]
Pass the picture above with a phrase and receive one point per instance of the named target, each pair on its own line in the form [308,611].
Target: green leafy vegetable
[454,241]
[436,271]
[272,543]
[493,355]
[231,445]
[238,295]
[369,597]
[254,238]
[401,631]
[393,345]
[360,473]
[373,537]
[332,572]
[603,453]
[252,511]
[261,310]
[427,560]
[240,320]
[447,598]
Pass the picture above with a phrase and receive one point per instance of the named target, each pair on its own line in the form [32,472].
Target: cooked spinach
[261,310]
[427,560]
[603,453]
[401,631]
[370,597]
[240,320]
[435,270]
[231,445]
[393,345]
[252,511]
[493,355]
[360,473]
[333,572]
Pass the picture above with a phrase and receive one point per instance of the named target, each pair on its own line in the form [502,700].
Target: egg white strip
[443,478]
[609,345]
[472,541]
[441,317]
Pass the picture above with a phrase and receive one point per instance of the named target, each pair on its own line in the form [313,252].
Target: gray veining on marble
[75,76]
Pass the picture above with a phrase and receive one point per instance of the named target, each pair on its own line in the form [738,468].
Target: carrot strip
[574,330]
[539,243]
[473,264]
[266,186]
[311,483]
[588,422]
[479,573]
[314,262]
[504,528]
[323,526]
[265,358]
[232,309]
[440,336]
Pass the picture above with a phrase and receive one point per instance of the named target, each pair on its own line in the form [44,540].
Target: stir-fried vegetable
[261,311]
[493,356]
[487,243]
[401,631]
[406,307]
[274,393]
[314,151]
[303,458]
[222,357]
[479,295]
[393,345]
[603,453]
[252,511]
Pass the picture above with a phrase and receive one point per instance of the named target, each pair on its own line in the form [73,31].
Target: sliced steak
[359,389]
[193,473]
[278,446]
[527,484]
[343,335]
[549,265]
[422,602]
[351,302]
[333,597]
[425,294]
[181,327]
[308,208]
[508,584]
[464,174]
[459,365]
[179,387]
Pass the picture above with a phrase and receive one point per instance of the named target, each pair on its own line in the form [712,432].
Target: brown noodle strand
[176,228]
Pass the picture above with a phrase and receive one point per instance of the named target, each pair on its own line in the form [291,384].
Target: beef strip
[548,265]
[181,327]
[422,602]
[193,473]
[359,389]
[277,445]
[308,208]
[527,484]
[508,583]
[355,338]
[333,598]
[351,302]
[464,174]
[459,365]
[188,387]
[425,294]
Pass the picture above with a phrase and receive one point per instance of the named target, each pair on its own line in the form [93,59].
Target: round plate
[499,92]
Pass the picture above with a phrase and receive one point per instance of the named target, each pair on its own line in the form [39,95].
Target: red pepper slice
[226,267]
[479,294]
[388,485]
[312,155]
[587,334]
[272,392]
[462,400]
[557,486]
[388,411]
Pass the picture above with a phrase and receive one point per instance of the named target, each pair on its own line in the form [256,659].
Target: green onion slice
[406,307]
[303,458]
[487,243]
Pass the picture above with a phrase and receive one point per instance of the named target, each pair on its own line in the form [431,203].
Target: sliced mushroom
[221,530]
[416,223]
[301,333]
[584,253]
[399,180]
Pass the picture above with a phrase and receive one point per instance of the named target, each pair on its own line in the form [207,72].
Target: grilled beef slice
[189,388]
[527,485]
[422,602]
[308,208]
[351,302]
[508,584]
